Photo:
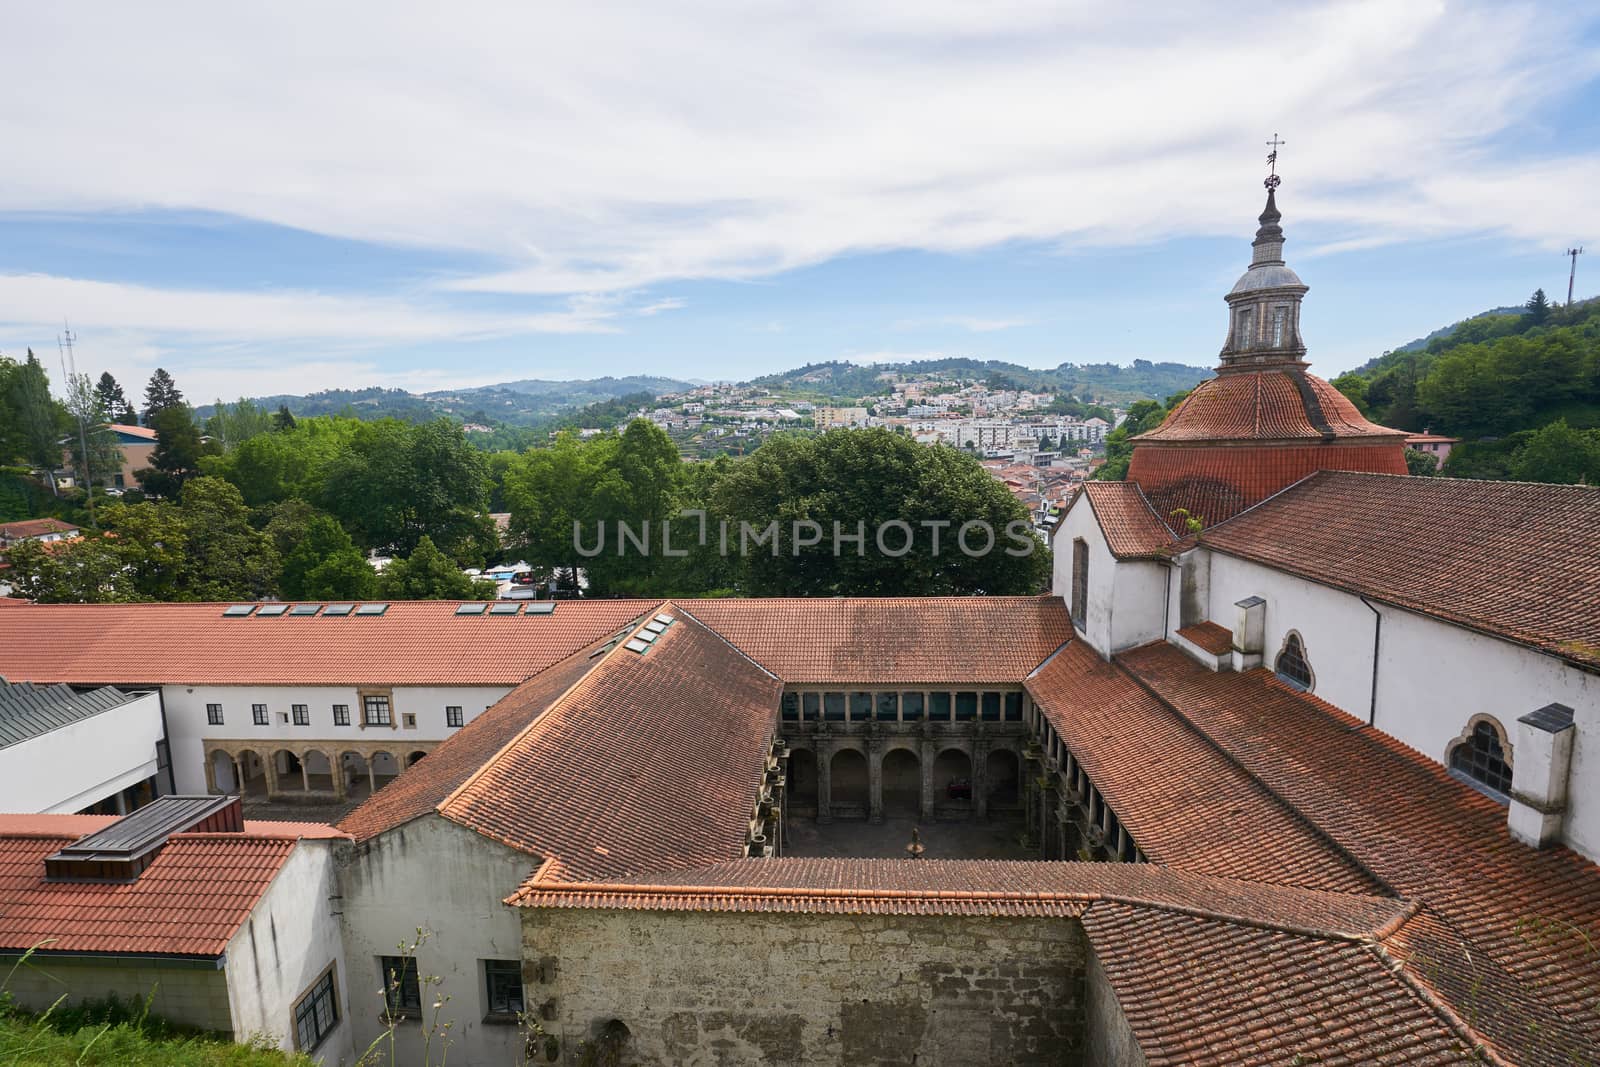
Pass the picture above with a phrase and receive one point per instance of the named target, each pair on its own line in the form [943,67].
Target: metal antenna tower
[69,371]
[1573,254]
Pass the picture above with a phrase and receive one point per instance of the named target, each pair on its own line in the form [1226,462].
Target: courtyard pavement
[966,840]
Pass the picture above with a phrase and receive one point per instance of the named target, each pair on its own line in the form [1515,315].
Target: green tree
[160,394]
[231,425]
[90,570]
[114,402]
[283,418]
[1143,416]
[548,494]
[293,463]
[864,480]
[176,457]
[428,574]
[1538,309]
[1354,388]
[38,421]
[1420,464]
[324,564]
[1559,453]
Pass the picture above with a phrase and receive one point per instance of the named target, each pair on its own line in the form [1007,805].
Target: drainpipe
[1377,634]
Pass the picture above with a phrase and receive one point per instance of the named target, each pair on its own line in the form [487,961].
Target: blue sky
[303,198]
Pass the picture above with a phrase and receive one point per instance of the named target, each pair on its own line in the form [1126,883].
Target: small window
[966,707]
[1279,318]
[860,707]
[302,715]
[791,707]
[1080,582]
[911,707]
[1481,758]
[939,707]
[502,980]
[888,707]
[316,1013]
[833,707]
[1292,665]
[410,720]
[453,717]
[402,992]
[1013,707]
[811,706]
[214,714]
[991,707]
[341,715]
[1243,338]
[375,711]
[258,714]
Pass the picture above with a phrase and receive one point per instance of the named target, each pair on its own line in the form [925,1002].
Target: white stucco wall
[433,874]
[189,730]
[191,994]
[74,766]
[291,937]
[1127,598]
[1432,677]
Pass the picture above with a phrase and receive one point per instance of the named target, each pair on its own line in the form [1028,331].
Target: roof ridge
[539,720]
[1436,1003]
[1294,812]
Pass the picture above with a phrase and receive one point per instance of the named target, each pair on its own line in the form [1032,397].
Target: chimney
[1249,631]
[1539,778]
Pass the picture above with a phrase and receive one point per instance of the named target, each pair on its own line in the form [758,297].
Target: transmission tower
[69,372]
[1573,254]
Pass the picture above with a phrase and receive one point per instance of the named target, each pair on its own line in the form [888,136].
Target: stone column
[211,772]
[824,752]
[372,776]
[929,753]
[875,781]
[305,772]
[270,766]
[336,768]
[238,773]
[980,779]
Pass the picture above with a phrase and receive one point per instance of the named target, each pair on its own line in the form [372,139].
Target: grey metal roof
[28,710]
[1266,276]
[1552,718]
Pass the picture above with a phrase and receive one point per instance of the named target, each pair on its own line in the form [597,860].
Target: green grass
[120,1035]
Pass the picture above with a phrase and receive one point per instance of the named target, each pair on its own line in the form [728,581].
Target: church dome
[1264,422]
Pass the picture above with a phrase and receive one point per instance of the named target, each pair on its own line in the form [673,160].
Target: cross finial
[1273,181]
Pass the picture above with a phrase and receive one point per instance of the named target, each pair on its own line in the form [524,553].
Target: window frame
[341,715]
[367,702]
[454,718]
[301,713]
[1483,726]
[405,1000]
[1080,583]
[259,715]
[502,971]
[329,979]
[1292,641]
[214,715]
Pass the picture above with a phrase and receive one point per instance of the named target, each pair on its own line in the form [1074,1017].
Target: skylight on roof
[372,609]
[237,611]
[646,636]
[505,607]
[337,609]
[665,619]
[476,608]
[655,627]
[541,607]
[270,610]
[305,609]
[637,645]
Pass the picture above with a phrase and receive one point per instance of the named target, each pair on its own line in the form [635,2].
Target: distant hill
[1421,343]
[1103,382]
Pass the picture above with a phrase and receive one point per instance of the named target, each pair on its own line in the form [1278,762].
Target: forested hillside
[1107,383]
[1522,390]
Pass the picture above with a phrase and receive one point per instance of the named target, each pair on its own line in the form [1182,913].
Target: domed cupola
[1263,422]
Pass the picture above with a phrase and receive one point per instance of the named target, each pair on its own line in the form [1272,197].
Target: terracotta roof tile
[1215,639]
[892,640]
[412,643]
[1434,545]
[651,761]
[189,902]
[1534,914]
[425,785]
[1185,803]
[1282,404]
[25,528]
[1132,529]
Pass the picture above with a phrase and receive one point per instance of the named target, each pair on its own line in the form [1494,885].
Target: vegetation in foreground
[118,1034]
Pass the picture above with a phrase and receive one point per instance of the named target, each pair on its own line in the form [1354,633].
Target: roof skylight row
[506,607]
[641,641]
[272,611]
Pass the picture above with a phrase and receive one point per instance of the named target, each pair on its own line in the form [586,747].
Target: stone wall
[726,988]
[1108,1039]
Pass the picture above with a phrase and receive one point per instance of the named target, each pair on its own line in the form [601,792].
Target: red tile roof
[1131,528]
[1282,404]
[1185,803]
[23,529]
[413,643]
[1435,545]
[189,902]
[650,762]
[1215,639]
[1522,921]
[134,431]
[425,785]
[892,640]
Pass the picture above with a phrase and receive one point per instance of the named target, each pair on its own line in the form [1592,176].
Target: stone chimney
[1539,781]
[1249,632]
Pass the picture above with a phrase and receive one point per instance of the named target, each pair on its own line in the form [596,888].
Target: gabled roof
[23,529]
[26,711]
[189,902]
[1439,546]
[1132,528]
[412,643]
[651,761]
[143,433]
[1500,921]
[428,782]
[892,640]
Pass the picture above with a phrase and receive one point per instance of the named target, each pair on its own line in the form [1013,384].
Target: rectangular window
[966,707]
[452,716]
[791,707]
[833,707]
[1080,582]
[502,980]
[341,715]
[888,707]
[401,990]
[258,714]
[939,707]
[811,706]
[860,707]
[1244,340]
[410,720]
[911,707]
[375,711]
[1013,707]
[302,714]
[991,707]
[316,1013]
[1279,316]
[214,714]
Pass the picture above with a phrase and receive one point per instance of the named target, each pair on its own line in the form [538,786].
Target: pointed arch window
[1292,665]
[1480,757]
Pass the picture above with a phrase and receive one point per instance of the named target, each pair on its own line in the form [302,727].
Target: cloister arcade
[307,771]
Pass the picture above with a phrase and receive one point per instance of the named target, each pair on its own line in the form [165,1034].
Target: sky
[296,196]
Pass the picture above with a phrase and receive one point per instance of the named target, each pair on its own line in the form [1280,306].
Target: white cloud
[598,147]
[970,323]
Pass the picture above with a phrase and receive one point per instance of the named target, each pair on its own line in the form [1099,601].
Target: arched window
[1292,665]
[1480,757]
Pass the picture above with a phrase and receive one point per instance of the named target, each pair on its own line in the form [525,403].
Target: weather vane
[1273,181]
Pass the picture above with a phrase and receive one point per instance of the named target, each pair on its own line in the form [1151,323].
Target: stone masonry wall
[723,988]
